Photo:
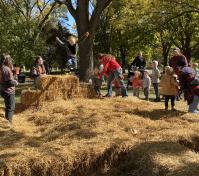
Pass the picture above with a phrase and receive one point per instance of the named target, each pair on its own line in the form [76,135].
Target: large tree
[87,16]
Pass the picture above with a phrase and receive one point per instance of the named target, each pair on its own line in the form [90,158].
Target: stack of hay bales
[55,87]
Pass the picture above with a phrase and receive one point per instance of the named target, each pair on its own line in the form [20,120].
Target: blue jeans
[136,92]
[156,89]
[9,100]
[146,93]
[116,75]
[194,105]
[72,62]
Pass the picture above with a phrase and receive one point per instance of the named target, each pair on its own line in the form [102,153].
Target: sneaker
[126,96]
[195,112]
[157,100]
[166,108]
[173,109]
[108,96]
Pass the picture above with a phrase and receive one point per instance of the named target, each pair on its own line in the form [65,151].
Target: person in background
[131,71]
[100,70]
[189,84]
[155,79]
[16,72]
[146,84]
[140,63]
[136,83]
[196,68]
[169,87]
[177,57]
[7,86]
[117,87]
[114,70]
[96,82]
[37,70]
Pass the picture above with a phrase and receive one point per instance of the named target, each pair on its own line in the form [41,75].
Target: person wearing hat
[169,87]
[155,79]
[146,84]
[177,57]
[189,84]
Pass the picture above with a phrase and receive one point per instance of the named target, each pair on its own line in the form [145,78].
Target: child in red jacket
[109,62]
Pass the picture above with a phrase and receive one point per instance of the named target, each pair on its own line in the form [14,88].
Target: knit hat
[168,70]
[146,71]
[155,63]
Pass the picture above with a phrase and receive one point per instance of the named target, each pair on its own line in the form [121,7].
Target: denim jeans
[72,62]
[146,93]
[116,75]
[136,92]
[156,89]
[9,100]
[194,105]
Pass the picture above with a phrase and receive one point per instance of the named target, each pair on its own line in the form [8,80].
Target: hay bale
[52,82]
[30,97]
[51,88]
[36,97]
[86,91]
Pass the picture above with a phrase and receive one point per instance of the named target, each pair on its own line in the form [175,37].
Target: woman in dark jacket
[7,84]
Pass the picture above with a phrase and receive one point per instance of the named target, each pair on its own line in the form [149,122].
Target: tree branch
[47,15]
[100,6]
[71,9]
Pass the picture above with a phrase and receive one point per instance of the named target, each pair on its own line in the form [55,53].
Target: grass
[108,137]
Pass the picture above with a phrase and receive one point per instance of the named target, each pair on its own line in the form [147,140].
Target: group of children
[168,86]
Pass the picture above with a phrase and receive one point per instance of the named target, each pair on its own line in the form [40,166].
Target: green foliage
[155,27]
[22,27]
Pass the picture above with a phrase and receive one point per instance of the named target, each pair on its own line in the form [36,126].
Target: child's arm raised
[59,41]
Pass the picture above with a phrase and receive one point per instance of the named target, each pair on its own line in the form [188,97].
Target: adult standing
[111,66]
[8,84]
[177,58]
[139,61]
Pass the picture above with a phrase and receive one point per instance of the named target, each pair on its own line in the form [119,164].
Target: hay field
[108,137]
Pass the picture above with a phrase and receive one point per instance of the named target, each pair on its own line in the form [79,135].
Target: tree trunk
[187,53]
[86,59]
[123,53]
[86,23]
[165,52]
